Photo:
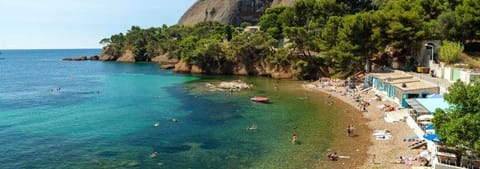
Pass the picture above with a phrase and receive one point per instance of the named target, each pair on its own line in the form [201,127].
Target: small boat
[156,124]
[259,99]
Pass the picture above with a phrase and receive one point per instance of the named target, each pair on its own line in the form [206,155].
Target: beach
[375,153]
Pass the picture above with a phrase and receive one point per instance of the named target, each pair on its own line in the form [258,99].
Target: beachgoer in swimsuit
[334,156]
[175,120]
[349,130]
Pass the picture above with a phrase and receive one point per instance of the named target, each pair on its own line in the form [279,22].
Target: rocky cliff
[262,69]
[232,12]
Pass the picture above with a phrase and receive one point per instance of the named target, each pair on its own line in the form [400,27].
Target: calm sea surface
[92,114]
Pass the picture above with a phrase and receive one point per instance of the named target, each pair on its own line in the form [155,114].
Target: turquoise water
[56,114]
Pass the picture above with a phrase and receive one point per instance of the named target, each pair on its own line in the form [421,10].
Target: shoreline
[386,151]
[355,147]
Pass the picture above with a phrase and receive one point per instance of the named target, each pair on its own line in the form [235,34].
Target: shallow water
[56,114]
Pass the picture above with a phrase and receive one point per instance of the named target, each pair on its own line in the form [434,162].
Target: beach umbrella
[432,137]
[425,117]
[428,127]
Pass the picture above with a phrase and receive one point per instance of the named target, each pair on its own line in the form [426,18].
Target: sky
[72,24]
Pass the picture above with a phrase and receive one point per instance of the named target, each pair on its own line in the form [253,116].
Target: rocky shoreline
[82,58]
[178,66]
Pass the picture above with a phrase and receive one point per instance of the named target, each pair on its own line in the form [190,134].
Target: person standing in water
[294,138]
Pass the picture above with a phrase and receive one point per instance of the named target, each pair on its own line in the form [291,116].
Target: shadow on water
[199,140]
[172,148]
[107,154]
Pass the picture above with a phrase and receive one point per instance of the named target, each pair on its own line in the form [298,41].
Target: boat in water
[259,99]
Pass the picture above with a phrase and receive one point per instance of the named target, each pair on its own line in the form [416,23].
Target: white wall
[447,73]
[465,76]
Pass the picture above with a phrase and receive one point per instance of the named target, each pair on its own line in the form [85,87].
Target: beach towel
[380,132]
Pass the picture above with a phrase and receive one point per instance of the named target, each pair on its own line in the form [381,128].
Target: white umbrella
[425,117]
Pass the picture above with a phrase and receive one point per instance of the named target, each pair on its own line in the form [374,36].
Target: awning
[417,107]
[432,137]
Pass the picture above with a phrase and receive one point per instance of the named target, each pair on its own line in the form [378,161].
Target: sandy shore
[385,151]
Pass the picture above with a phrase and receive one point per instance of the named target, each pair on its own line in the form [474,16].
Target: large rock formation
[127,56]
[262,69]
[229,11]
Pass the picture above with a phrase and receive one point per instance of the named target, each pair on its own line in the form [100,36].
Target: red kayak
[259,99]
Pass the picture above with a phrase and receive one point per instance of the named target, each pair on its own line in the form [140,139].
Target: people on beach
[332,157]
[294,138]
[350,130]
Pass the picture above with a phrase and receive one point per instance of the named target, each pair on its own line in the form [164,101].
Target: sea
[94,114]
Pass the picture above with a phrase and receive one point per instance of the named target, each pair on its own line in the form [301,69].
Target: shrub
[449,51]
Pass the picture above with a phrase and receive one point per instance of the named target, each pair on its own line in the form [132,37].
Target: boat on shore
[260,99]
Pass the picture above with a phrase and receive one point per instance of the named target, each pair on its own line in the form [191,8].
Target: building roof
[392,75]
[431,104]
[418,85]
[395,81]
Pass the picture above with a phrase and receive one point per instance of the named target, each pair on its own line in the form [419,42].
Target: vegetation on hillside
[450,51]
[312,37]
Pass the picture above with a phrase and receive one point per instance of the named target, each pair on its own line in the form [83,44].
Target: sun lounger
[411,138]
[417,144]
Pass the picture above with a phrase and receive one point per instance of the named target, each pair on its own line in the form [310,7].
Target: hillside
[229,11]
[336,38]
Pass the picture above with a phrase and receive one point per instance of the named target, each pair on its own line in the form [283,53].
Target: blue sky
[52,24]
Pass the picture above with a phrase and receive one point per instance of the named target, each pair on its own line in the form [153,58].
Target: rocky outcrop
[232,12]
[164,59]
[167,66]
[81,58]
[95,57]
[237,86]
[127,56]
[263,69]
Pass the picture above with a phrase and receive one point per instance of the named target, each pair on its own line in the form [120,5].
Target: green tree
[459,125]
[449,51]
[209,54]
[468,19]
[270,23]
